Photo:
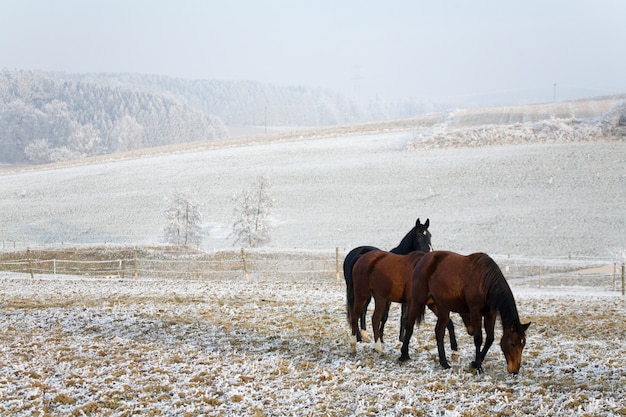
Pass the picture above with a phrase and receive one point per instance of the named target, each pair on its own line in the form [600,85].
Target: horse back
[448,279]
[385,274]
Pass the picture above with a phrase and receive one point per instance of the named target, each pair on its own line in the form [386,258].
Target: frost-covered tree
[183,220]
[84,140]
[252,211]
[38,151]
[126,135]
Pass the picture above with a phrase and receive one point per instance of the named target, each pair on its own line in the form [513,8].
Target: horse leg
[402,322]
[383,320]
[408,333]
[414,312]
[380,306]
[357,308]
[453,344]
[476,322]
[450,326]
[440,332]
[490,324]
[363,319]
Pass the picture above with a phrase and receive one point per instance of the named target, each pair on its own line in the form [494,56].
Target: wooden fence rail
[168,263]
[196,265]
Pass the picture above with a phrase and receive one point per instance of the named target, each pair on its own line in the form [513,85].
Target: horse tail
[348,264]
[423,269]
[349,297]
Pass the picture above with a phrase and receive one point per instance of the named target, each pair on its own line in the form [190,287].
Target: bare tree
[252,211]
[183,220]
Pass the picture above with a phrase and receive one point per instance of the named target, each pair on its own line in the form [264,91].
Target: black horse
[417,239]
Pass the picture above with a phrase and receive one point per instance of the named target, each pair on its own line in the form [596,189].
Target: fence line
[172,263]
[178,266]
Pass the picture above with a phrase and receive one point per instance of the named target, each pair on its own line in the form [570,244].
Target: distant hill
[254,103]
[50,117]
[54,117]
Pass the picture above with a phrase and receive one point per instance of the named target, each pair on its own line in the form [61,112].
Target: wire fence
[183,263]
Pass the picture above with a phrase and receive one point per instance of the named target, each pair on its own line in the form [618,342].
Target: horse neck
[500,293]
[406,244]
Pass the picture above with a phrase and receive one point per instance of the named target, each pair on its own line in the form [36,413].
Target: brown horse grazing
[386,277]
[474,287]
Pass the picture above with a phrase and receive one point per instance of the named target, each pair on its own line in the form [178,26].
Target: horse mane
[498,292]
[406,244]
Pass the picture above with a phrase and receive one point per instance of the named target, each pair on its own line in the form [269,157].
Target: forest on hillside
[46,120]
[254,103]
[51,117]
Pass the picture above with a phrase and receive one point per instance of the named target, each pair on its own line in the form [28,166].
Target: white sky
[449,49]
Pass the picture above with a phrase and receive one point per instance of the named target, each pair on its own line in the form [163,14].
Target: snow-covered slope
[540,193]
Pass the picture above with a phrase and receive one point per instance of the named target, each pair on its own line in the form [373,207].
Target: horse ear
[427,223]
[526,326]
[417,222]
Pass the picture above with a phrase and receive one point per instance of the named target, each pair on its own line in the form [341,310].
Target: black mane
[418,239]
[499,293]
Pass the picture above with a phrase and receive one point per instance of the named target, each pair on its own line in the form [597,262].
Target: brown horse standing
[386,277]
[474,287]
[418,238]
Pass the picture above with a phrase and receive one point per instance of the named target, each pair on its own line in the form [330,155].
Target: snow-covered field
[279,346]
[543,189]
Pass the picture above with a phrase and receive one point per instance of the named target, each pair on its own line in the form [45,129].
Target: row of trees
[183,218]
[252,103]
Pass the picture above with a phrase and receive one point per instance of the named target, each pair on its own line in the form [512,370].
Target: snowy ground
[533,199]
[279,346]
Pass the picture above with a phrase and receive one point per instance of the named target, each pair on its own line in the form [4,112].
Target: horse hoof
[403,358]
[445,366]
[365,338]
[477,366]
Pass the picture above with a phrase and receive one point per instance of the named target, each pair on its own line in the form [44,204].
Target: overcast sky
[448,49]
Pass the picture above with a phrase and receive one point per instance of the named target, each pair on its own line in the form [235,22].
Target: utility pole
[555,92]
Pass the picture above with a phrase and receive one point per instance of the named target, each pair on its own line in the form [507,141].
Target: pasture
[202,340]
[279,345]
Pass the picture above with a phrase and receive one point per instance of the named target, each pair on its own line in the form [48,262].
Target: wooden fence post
[245,267]
[136,272]
[30,263]
[337,262]
[623,289]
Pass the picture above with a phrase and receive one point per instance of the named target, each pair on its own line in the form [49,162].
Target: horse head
[421,236]
[512,344]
